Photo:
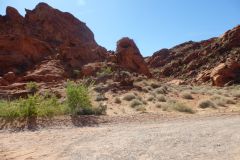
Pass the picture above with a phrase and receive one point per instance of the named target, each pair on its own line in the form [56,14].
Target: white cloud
[81,2]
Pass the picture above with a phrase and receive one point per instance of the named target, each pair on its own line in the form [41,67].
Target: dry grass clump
[155,85]
[158,105]
[161,98]
[206,104]
[222,101]
[117,100]
[136,103]
[129,97]
[180,107]
[150,98]
[161,90]
[236,94]
[101,97]
[186,95]
[141,109]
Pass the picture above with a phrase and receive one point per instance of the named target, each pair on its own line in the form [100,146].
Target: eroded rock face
[43,33]
[224,73]
[17,53]
[129,57]
[193,61]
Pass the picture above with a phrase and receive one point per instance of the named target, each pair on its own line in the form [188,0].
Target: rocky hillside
[45,32]
[50,45]
[216,59]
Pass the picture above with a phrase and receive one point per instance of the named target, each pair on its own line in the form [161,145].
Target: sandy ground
[192,138]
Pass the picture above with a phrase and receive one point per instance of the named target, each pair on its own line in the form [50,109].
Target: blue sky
[153,24]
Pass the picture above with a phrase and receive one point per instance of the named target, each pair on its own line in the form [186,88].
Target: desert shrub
[144,102]
[105,71]
[236,94]
[206,104]
[33,106]
[32,86]
[158,105]
[222,101]
[101,97]
[100,110]
[129,97]
[150,98]
[117,100]
[161,98]
[78,99]
[180,107]
[154,85]
[135,103]
[161,90]
[141,109]
[186,95]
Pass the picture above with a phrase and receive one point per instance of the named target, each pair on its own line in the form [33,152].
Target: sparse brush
[117,100]
[155,85]
[141,109]
[222,101]
[151,98]
[180,107]
[161,90]
[158,105]
[161,98]
[129,97]
[206,104]
[101,97]
[144,102]
[104,72]
[186,95]
[236,94]
[135,103]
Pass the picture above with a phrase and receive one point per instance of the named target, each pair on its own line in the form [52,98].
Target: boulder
[129,57]
[225,73]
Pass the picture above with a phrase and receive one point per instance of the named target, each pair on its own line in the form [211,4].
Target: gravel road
[211,138]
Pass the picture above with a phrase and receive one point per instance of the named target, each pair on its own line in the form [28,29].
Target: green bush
[78,99]
[104,72]
[33,106]
[32,86]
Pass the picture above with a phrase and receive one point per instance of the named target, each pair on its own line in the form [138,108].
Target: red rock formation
[193,61]
[225,73]
[26,41]
[129,57]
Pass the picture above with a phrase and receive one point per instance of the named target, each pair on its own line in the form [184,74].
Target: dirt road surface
[211,138]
